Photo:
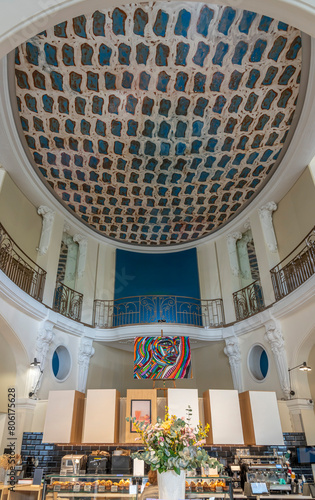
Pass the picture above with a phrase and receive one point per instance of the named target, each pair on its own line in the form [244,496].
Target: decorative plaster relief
[265,215]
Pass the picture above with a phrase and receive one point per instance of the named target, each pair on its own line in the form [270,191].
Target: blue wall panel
[157,274]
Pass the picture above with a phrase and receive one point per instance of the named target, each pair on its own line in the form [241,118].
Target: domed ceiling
[156,123]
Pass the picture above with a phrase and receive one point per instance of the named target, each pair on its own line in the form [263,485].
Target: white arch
[299,380]
[20,355]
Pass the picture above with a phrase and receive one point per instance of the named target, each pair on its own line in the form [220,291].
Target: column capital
[233,237]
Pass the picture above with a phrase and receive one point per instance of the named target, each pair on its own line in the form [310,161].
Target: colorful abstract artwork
[162,358]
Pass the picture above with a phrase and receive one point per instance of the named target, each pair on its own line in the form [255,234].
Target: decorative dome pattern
[155,124]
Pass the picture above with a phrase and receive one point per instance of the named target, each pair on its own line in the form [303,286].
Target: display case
[59,487]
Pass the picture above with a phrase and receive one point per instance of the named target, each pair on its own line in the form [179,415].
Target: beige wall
[295,215]
[112,368]
[19,217]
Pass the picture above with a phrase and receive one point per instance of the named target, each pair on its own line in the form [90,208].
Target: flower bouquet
[173,446]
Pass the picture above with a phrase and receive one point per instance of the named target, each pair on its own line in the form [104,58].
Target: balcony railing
[68,302]
[22,270]
[248,300]
[295,268]
[145,309]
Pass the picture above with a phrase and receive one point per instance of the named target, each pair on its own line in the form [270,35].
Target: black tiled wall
[49,455]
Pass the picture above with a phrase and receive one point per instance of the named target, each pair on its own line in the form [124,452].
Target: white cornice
[36,310]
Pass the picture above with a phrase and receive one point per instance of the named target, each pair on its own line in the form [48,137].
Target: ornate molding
[82,242]
[233,352]
[265,215]
[276,341]
[48,217]
[85,354]
[44,339]
[231,240]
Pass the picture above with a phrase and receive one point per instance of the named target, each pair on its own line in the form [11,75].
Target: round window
[61,363]
[258,363]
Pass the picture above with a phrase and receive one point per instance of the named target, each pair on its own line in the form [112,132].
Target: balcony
[68,302]
[148,309]
[248,301]
[295,268]
[19,268]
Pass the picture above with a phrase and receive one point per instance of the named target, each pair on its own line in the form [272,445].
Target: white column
[71,264]
[243,256]
[233,352]
[265,215]
[298,408]
[231,240]
[275,338]
[48,217]
[82,242]
[85,353]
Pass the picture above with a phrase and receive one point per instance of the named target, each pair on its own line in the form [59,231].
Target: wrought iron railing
[22,270]
[248,301]
[295,268]
[68,302]
[145,309]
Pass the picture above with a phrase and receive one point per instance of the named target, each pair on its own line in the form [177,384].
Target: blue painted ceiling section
[157,274]
[156,124]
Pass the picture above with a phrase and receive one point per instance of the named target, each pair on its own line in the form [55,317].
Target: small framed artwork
[140,409]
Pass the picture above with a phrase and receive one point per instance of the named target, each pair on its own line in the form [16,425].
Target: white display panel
[226,423]
[100,419]
[178,401]
[59,417]
[266,418]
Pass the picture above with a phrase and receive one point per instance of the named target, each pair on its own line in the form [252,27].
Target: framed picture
[140,409]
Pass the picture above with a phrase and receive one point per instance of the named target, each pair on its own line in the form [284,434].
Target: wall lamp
[303,367]
[36,364]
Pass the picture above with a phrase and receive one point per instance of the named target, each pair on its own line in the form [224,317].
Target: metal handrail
[289,274]
[248,300]
[20,268]
[148,309]
[67,301]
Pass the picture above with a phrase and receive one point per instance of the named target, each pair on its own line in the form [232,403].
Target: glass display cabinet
[57,487]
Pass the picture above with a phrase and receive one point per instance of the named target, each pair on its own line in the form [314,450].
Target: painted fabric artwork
[162,358]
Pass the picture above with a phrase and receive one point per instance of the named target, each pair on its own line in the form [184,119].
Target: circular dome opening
[258,363]
[61,363]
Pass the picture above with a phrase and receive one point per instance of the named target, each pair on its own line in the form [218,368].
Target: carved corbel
[85,354]
[233,352]
[276,341]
